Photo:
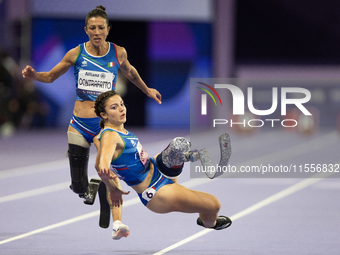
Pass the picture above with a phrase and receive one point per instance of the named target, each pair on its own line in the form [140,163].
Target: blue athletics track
[41,215]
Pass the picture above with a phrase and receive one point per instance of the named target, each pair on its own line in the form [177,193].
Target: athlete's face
[97,30]
[115,111]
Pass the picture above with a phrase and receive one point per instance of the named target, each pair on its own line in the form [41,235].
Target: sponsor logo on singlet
[93,82]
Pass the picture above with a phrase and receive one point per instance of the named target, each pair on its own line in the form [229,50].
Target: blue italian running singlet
[95,74]
[133,164]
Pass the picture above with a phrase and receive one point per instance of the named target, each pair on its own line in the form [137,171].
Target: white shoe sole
[122,231]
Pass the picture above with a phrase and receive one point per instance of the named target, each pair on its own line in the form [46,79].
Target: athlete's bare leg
[177,198]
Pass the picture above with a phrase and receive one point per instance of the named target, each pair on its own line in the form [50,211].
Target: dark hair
[99,105]
[98,11]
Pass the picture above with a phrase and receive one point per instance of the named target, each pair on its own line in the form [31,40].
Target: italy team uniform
[133,165]
[93,76]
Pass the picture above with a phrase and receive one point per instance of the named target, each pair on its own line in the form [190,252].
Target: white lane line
[38,191]
[130,202]
[32,169]
[282,194]
[190,183]
[294,151]
[65,185]
[53,226]
[35,192]
[64,223]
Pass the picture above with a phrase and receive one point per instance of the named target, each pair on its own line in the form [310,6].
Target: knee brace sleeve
[79,158]
[170,173]
[77,139]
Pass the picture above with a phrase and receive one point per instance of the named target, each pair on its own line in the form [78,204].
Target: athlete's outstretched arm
[132,74]
[58,70]
[106,149]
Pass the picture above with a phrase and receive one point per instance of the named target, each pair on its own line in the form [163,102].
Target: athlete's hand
[29,72]
[116,197]
[154,94]
[106,173]
[113,184]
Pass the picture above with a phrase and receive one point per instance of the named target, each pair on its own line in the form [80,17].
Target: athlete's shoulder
[108,131]
[74,51]
[116,46]
[121,51]
[111,132]
[72,54]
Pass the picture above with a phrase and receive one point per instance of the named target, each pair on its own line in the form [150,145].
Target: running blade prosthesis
[203,156]
[104,217]
[93,188]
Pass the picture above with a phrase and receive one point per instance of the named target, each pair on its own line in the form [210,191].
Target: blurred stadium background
[168,42]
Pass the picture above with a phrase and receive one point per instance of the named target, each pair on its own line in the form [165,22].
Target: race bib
[93,82]
[148,193]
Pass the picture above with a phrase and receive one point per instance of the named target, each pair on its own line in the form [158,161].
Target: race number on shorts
[148,193]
